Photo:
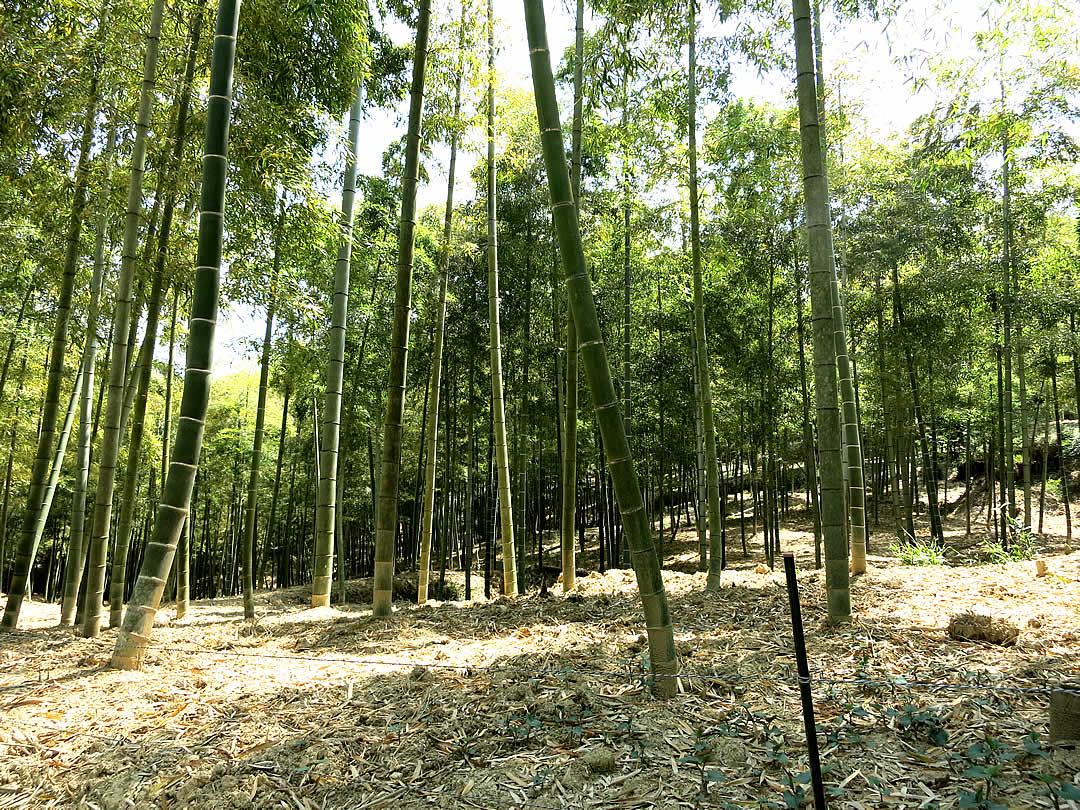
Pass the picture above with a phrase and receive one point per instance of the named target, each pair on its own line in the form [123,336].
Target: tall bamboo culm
[114,404]
[712,469]
[432,450]
[28,542]
[594,357]
[822,273]
[390,476]
[852,439]
[252,499]
[175,501]
[331,432]
[73,570]
[506,510]
[569,456]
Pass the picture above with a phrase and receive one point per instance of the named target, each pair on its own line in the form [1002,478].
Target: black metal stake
[804,681]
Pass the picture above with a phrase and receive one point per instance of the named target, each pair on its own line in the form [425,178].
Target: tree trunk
[1061,453]
[510,584]
[268,542]
[822,273]
[251,500]
[662,461]
[55,467]
[852,444]
[331,433]
[1045,465]
[122,319]
[27,549]
[4,513]
[568,516]
[650,583]
[16,330]
[1007,343]
[144,368]
[76,561]
[1004,451]
[183,557]
[809,458]
[176,493]
[712,475]
[132,466]
[387,517]
[470,484]
[929,475]
[700,494]
[432,449]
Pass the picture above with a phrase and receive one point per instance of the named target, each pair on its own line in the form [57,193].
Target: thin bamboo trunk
[1061,453]
[76,562]
[470,484]
[662,462]
[431,453]
[27,548]
[704,376]
[387,518]
[1045,465]
[4,513]
[56,466]
[568,506]
[31,287]
[125,523]
[1004,452]
[183,556]
[524,427]
[699,489]
[929,473]
[335,366]
[251,502]
[851,439]
[122,321]
[510,579]
[1007,338]
[271,527]
[809,458]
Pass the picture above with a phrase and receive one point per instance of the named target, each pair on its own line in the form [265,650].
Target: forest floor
[538,702]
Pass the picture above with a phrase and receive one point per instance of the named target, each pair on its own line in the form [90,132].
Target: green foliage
[986,761]
[1020,547]
[918,552]
[919,724]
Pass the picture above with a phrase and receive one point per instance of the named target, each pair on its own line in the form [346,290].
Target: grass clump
[918,552]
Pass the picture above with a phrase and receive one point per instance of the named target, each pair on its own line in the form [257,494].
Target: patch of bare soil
[540,702]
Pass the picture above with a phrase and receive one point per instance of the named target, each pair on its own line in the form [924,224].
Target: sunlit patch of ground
[331,708]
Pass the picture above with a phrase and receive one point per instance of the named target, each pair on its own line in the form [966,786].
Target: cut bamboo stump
[1065,712]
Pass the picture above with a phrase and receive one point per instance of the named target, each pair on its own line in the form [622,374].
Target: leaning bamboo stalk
[594,357]
[175,501]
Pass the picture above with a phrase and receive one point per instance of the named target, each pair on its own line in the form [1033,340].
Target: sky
[861,58]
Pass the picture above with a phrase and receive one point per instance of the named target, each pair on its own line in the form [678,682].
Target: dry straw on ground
[280,713]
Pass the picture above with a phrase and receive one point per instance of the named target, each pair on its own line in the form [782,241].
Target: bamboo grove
[647,306]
